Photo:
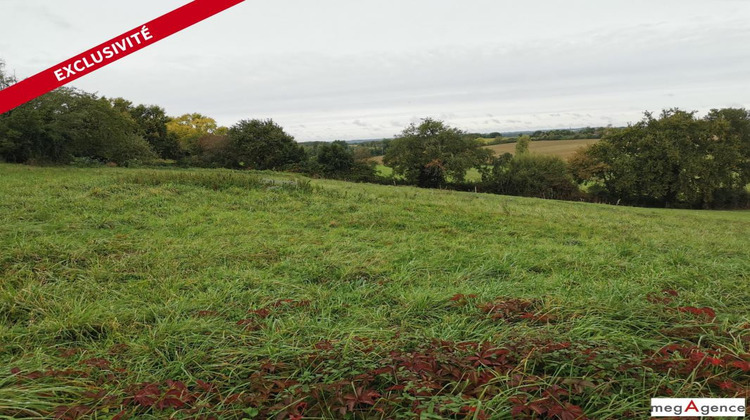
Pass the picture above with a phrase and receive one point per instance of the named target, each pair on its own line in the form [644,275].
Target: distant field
[471,175]
[562,148]
[383,170]
[198,294]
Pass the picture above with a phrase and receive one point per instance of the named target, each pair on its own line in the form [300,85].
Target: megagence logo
[697,407]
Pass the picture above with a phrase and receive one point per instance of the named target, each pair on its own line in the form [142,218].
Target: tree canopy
[151,124]
[66,124]
[262,144]
[675,160]
[189,128]
[428,153]
[530,175]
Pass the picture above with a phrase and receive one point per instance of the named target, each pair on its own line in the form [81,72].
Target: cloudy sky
[352,69]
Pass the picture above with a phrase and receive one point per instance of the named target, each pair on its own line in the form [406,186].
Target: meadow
[143,293]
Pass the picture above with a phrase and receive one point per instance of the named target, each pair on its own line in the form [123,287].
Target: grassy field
[216,294]
[385,171]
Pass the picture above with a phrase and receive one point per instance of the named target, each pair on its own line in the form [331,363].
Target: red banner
[111,51]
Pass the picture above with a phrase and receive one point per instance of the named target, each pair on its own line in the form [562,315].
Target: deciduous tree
[190,127]
[428,153]
[263,144]
[151,124]
[68,123]
[675,160]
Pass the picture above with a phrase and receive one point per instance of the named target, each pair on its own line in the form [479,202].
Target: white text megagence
[97,57]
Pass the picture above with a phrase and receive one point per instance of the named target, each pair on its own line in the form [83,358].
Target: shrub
[337,160]
[262,145]
[675,160]
[531,175]
[66,124]
[211,151]
[130,150]
[334,158]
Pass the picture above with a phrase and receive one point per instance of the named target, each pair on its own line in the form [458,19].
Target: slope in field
[231,294]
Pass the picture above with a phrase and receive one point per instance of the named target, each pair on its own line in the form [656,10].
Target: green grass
[471,175]
[154,272]
[383,170]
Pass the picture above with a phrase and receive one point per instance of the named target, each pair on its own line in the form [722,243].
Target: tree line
[69,126]
[585,133]
[380,147]
[674,160]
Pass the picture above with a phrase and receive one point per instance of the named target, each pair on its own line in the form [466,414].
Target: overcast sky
[352,69]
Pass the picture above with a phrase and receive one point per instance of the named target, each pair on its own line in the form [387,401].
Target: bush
[531,176]
[675,160]
[334,159]
[211,151]
[66,124]
[131,150]
[337,160]
[726,198]
[262,145]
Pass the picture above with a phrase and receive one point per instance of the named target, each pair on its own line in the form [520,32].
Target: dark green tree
[151,124]
[675,160]
[6,145]
[729,148]
[339,160]
[530,175]
[522,145]
[431,152]
[263,144]
[66,124]
[334,158]
[210,151]
[737,121]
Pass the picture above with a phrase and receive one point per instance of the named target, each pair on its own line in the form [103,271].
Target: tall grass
[278,291]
